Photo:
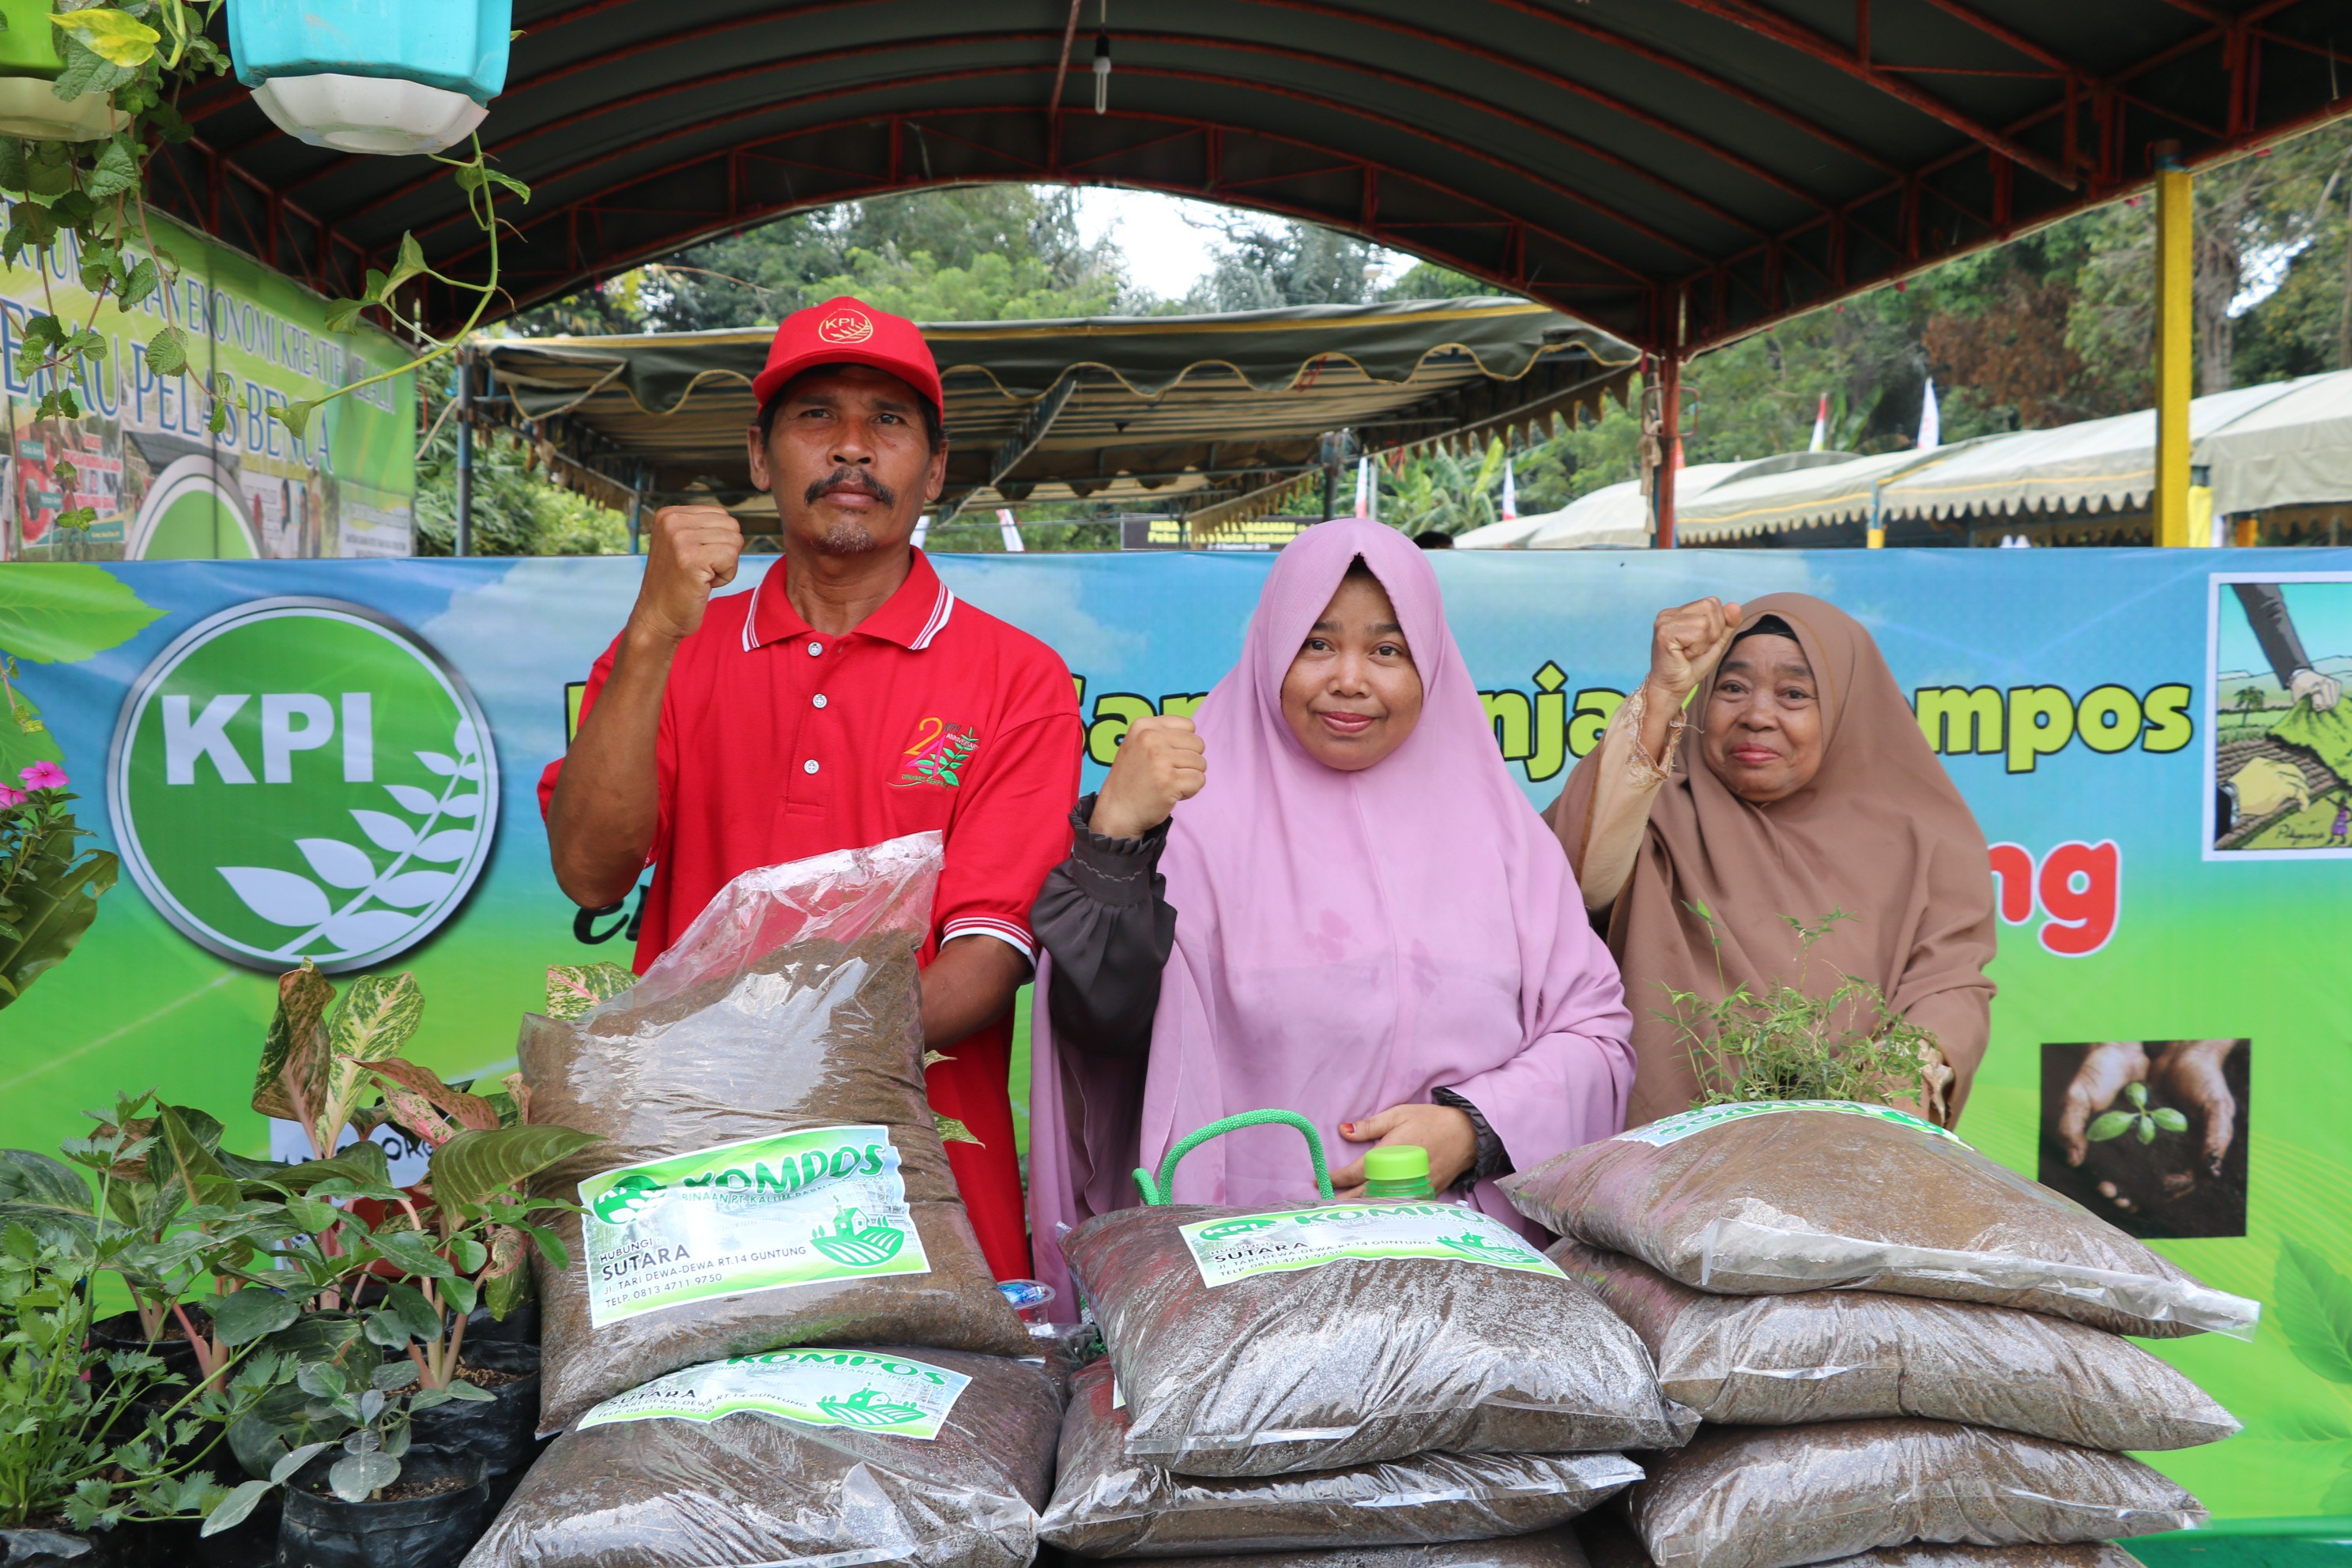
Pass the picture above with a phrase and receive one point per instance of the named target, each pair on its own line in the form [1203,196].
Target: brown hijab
[1880,833]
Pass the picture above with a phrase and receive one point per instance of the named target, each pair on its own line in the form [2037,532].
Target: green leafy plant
[1786,1043]
[368,1403]
[2140,1121]
[48,890]
[89,1439]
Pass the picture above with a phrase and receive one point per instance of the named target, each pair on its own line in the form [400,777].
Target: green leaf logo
[302,778]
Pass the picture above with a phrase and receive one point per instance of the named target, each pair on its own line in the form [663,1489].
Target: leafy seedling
[2141,1120]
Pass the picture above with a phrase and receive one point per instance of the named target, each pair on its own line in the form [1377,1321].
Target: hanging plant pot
[439,1507]
[372,76]
[29,64]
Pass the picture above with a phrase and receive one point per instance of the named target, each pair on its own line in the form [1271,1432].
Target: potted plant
[93,1440]
[362,77]
[32,103]
[385,1268]
[48,891]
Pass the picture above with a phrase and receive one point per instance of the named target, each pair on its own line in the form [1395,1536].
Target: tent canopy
[2279,444]
[1678,171]
[1163,410]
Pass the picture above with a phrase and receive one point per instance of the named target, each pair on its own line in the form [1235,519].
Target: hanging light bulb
[1102,73]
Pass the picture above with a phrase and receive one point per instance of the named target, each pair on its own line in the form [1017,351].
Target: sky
[1169,241]
[2322,614]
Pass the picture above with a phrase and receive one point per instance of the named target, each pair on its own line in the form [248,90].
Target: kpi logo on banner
[302,778]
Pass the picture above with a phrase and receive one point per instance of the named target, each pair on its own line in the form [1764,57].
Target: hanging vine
[80,209]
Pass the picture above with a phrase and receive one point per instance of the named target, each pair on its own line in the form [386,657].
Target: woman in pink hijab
[1325,895]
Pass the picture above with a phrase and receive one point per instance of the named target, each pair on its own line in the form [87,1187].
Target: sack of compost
[1109,1504]
[1610,1543]
[1544,1549]
[1774,1497]
[1772,1198]
[1843,1355]
[771,1173]
[886,1454]
[1255,1343]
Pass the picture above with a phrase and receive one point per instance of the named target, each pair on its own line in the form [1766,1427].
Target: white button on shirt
[818,701]
[809,766]
[815,649]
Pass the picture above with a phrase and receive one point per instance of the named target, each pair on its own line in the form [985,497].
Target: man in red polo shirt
[847,698]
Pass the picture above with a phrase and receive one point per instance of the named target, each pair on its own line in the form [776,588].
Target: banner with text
[336,759]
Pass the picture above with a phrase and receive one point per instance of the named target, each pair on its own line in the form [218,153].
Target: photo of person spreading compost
[847,698]
[1813,799]
[1323,894]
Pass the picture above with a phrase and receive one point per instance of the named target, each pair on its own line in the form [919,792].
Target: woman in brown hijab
[1811,791]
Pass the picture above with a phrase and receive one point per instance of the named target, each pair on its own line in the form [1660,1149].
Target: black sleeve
[1103,914]
[1494,1160]
[2266,607]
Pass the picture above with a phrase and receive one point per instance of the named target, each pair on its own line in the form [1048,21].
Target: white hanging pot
[372,76]
[30,107]
[29,64]
[368,114]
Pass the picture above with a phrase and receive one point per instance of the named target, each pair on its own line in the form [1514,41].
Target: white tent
[1775,495]
[2293,450]
[1617,517]
[1511,535]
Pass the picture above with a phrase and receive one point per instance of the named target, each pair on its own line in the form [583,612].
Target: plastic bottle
[1397,1171]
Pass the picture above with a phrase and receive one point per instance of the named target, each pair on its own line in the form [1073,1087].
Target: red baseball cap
[844,330]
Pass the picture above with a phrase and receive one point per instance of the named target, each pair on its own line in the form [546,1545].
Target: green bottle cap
[1397,1171]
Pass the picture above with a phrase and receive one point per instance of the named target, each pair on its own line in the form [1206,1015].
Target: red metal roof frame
[1679,172]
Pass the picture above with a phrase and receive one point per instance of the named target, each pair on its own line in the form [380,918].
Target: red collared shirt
[778,743]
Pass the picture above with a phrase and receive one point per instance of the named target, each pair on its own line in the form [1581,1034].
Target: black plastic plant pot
[501,1433]
[122,1333]
[125,1546]
[321,1529]
[520,1326]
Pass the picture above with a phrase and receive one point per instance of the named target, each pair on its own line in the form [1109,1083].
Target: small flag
[1012,530]
[922,529]
[1510,492]
[1364,487]
[1821,426]
[1931,422]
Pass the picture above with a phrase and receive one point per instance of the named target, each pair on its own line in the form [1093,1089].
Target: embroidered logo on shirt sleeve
[942,747]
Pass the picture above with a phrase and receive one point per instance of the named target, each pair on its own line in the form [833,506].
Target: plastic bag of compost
[1107,1504]
[1544,1549]
[1771,1198]
[872,1455]
[1257,1344]
[1610,1543]
[772,1174]
[1774,1497]
[1842,1356]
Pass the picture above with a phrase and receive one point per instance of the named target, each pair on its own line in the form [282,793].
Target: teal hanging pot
[372,76]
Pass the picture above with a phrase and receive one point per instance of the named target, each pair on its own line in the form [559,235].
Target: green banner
[164,486]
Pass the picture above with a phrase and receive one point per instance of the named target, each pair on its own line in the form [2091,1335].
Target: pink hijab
[1344,942]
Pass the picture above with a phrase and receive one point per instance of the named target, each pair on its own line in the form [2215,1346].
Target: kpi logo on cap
[845,327]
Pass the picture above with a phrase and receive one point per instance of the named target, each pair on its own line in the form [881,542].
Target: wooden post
[2175,343]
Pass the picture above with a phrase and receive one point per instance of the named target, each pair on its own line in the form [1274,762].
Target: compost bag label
[1675,1129]
[795,1209]
[1246,1245]
[814,1387]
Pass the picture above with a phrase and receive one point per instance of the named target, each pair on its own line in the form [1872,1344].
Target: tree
[1262,264]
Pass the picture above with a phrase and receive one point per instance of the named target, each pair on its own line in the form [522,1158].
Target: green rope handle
[1158,1191]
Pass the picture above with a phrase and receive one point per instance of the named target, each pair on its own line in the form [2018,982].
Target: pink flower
[44,775]
[9,797]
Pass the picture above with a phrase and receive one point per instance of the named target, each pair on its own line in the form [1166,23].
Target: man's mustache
[846,479]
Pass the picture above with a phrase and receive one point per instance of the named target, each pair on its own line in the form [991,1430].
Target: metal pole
[2175,343]
[464,541]
[637,508]
[1670,397]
